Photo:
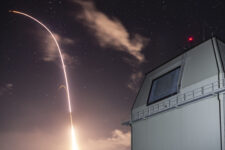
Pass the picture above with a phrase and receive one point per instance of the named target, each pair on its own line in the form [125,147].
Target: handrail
[179,100]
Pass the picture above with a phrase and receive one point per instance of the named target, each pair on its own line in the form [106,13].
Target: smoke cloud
[6,88]
[134,81]
[118,141]
[110,32]
[60,139]
[51,51]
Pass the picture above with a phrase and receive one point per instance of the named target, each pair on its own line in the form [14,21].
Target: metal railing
[178,100]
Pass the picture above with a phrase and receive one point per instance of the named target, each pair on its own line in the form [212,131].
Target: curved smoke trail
[74,144]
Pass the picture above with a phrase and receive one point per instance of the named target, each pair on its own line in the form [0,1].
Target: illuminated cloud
[59,140]
[118,141]
[51,53]
[6,88]
[134,81]
[110,31]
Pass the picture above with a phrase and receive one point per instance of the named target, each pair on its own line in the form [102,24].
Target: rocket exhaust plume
[73,137]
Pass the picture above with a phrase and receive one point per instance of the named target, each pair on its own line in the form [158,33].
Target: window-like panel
[164,86]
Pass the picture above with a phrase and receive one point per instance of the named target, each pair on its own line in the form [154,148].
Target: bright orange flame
[74,143]
[74,140]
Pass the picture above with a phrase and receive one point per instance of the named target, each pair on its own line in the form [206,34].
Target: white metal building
[180,105]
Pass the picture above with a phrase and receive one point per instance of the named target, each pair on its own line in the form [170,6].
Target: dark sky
[108,47]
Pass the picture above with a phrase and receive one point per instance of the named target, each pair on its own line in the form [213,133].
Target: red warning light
[190,39]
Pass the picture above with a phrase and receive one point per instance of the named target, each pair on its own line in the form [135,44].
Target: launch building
[180,105]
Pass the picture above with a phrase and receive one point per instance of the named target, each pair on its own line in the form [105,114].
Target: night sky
[108,47]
